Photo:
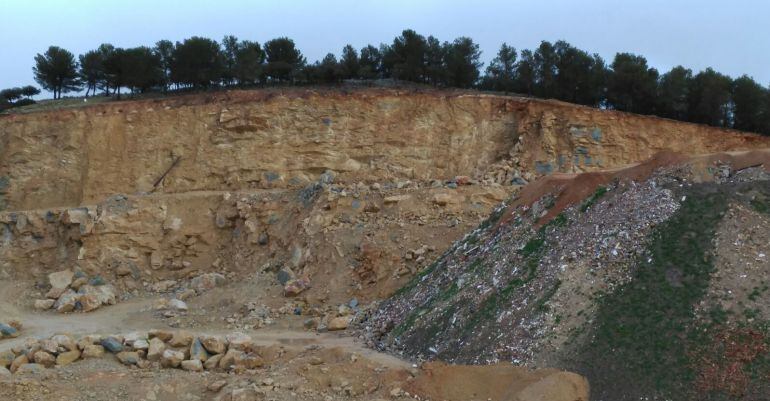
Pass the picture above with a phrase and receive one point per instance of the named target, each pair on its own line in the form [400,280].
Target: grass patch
[600,191]
[761,205]
[643,330]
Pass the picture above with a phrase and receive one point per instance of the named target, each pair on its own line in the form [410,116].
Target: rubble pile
[161,348]
[542,278]
[75,292]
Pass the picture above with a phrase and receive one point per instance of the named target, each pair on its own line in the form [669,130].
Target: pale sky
[732,36]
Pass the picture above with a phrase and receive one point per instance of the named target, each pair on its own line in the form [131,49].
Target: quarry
[379,243]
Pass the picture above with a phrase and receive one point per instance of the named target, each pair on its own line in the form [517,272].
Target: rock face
[290,172]
[124,148]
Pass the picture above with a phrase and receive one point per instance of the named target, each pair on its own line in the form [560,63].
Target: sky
[732,36]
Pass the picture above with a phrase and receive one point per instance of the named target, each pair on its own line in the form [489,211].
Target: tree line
[552,70]
[15,97]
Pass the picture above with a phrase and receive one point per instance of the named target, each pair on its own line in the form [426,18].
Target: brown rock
[93,351]
[214,344]
[295,287]
[65,341]
[213,362]
[44,304]
[128,357]
[61,279]
[238,341]
[192,365]
[171,358]
[19,361]
[66,358]
[181,339]
[228,360]
[155,349]
[89,302]
[6,358]
[29,368]
[54,293]
[339,323]
[163,335]
[44,358]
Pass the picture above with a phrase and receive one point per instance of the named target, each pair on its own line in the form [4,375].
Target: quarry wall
[245,140]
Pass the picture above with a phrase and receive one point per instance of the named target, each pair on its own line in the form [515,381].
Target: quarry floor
[312,366]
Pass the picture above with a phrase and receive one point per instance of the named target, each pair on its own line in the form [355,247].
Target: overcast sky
[733,36]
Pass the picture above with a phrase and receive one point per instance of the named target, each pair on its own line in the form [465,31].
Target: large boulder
[44,358]
[67,301]
[112,344]
[66,358]
[214,344]
[197,351]
[155,349]
[93,351]
[128,357]
[61,279]
[171,358]
[207,282]
[7,330]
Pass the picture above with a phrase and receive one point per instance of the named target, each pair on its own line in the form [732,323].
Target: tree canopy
[56,71]
[551,70]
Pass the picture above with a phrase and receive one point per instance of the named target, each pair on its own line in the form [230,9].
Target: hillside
[262,223]
[650,281]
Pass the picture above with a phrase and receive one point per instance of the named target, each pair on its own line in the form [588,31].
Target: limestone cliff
[277,139]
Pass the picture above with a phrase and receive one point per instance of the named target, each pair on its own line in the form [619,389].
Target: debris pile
[161,348]
[75,292]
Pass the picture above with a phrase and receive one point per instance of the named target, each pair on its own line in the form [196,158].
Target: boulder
[295,287]
[49,345]
[208,281]
[238,341]
[44,358]
[79,282]
[171,358]
[128,357]
[93,351]
[214,344]
[163,335]
[228,360]
[112,344]
[447,199]
[54,293]
[89,302]
[177,304]
[29,368]
[155,349]
[44,304]
[4,371]
[192,365]
[339,323]
[197,352]
[18,362]
[7,330]
[65,341]
[104,294]
[140,345]
[181,339]
[66,358]
[6,358]
[67,301]
[61,279]
[213,362]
